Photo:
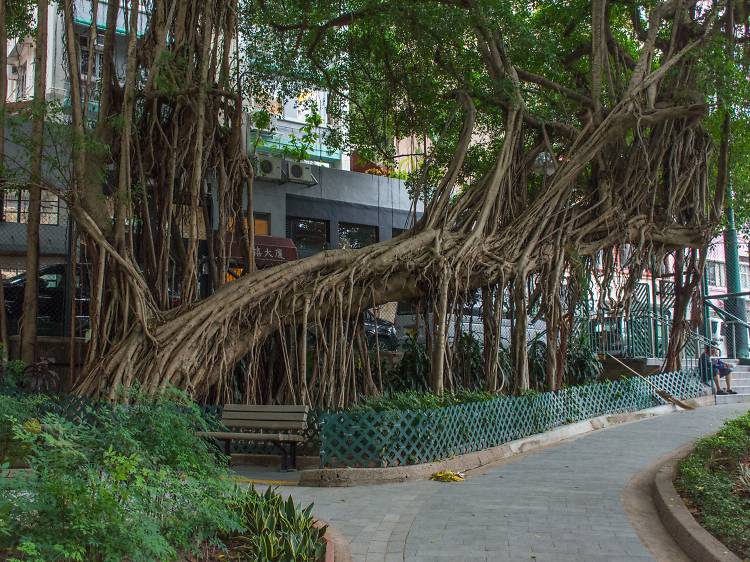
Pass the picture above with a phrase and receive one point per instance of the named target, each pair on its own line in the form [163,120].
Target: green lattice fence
[396,438]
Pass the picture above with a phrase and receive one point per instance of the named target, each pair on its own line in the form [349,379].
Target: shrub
[18,409]
[276,529]
[134,482]
[131,483]
[582,365]
[418,400]
[412,372]
[711,479]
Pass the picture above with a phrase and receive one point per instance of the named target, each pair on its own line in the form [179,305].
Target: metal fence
[395,438]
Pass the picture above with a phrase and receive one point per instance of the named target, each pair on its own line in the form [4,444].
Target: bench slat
[239,436]
[264,408]
[281,416]
[266,424]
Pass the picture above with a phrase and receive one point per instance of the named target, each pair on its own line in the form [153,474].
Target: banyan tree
[559,132]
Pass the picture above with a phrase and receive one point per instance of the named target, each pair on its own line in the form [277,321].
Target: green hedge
[412,427]
[715,479]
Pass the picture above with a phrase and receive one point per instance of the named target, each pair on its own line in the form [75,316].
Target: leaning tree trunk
[498,231]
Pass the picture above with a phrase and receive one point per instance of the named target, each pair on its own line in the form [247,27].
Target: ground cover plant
[715,482]
[133,482]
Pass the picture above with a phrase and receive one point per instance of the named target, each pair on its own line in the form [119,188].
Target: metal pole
[706,323]
[655,326]
[735,305]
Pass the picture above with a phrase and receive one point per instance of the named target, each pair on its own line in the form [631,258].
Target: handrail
[725,313]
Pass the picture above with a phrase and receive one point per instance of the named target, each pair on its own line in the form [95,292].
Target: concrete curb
[337,547]
[698,544]
[469,461]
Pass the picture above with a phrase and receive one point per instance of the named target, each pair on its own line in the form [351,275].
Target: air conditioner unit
[269,169]
[301,173]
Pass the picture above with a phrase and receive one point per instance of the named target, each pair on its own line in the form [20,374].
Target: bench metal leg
[285,456]
[294,455]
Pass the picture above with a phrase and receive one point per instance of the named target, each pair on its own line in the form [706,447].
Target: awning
[269,251]
[273,250]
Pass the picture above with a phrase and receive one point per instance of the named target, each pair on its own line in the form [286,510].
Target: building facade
[331,207]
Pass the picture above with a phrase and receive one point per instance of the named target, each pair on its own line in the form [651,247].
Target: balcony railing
[280,141]
[82,16]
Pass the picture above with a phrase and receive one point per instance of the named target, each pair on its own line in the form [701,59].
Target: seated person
[710,364]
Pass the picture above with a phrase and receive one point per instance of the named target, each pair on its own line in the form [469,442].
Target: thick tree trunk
[30,297]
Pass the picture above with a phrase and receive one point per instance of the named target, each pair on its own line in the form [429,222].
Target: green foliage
[582,364]
[299,146]
[19,18]
[11,373]
[468,362]
[537,363]
[711,479]
[16,410]
[416,400]
[276,529]
[413,371]
[132,482]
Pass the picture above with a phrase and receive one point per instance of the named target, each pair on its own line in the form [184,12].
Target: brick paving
[560,504]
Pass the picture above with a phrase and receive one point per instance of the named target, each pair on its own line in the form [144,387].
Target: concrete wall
[339,196]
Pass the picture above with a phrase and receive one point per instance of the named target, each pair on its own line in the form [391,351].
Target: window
[309,235]
[357,235]
[745,276]
[98,59]
[262,224]
[715,273]
[21,83]
[397,231]
[16,207]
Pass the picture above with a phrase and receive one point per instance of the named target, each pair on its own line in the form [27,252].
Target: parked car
[380,330]
[52,293]
[51,300]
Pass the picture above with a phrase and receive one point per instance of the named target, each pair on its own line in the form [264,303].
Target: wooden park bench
[281,426]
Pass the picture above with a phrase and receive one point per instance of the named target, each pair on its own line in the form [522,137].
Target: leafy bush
[276,529]
[128,482]
[537,363]
[582,364]
[711,478]
[11,373]
[413,371]
[468,362]
[18,409]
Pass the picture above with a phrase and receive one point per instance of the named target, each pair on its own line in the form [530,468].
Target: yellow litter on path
[447,476]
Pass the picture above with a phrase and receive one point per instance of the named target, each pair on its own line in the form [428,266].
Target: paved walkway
[562,503]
